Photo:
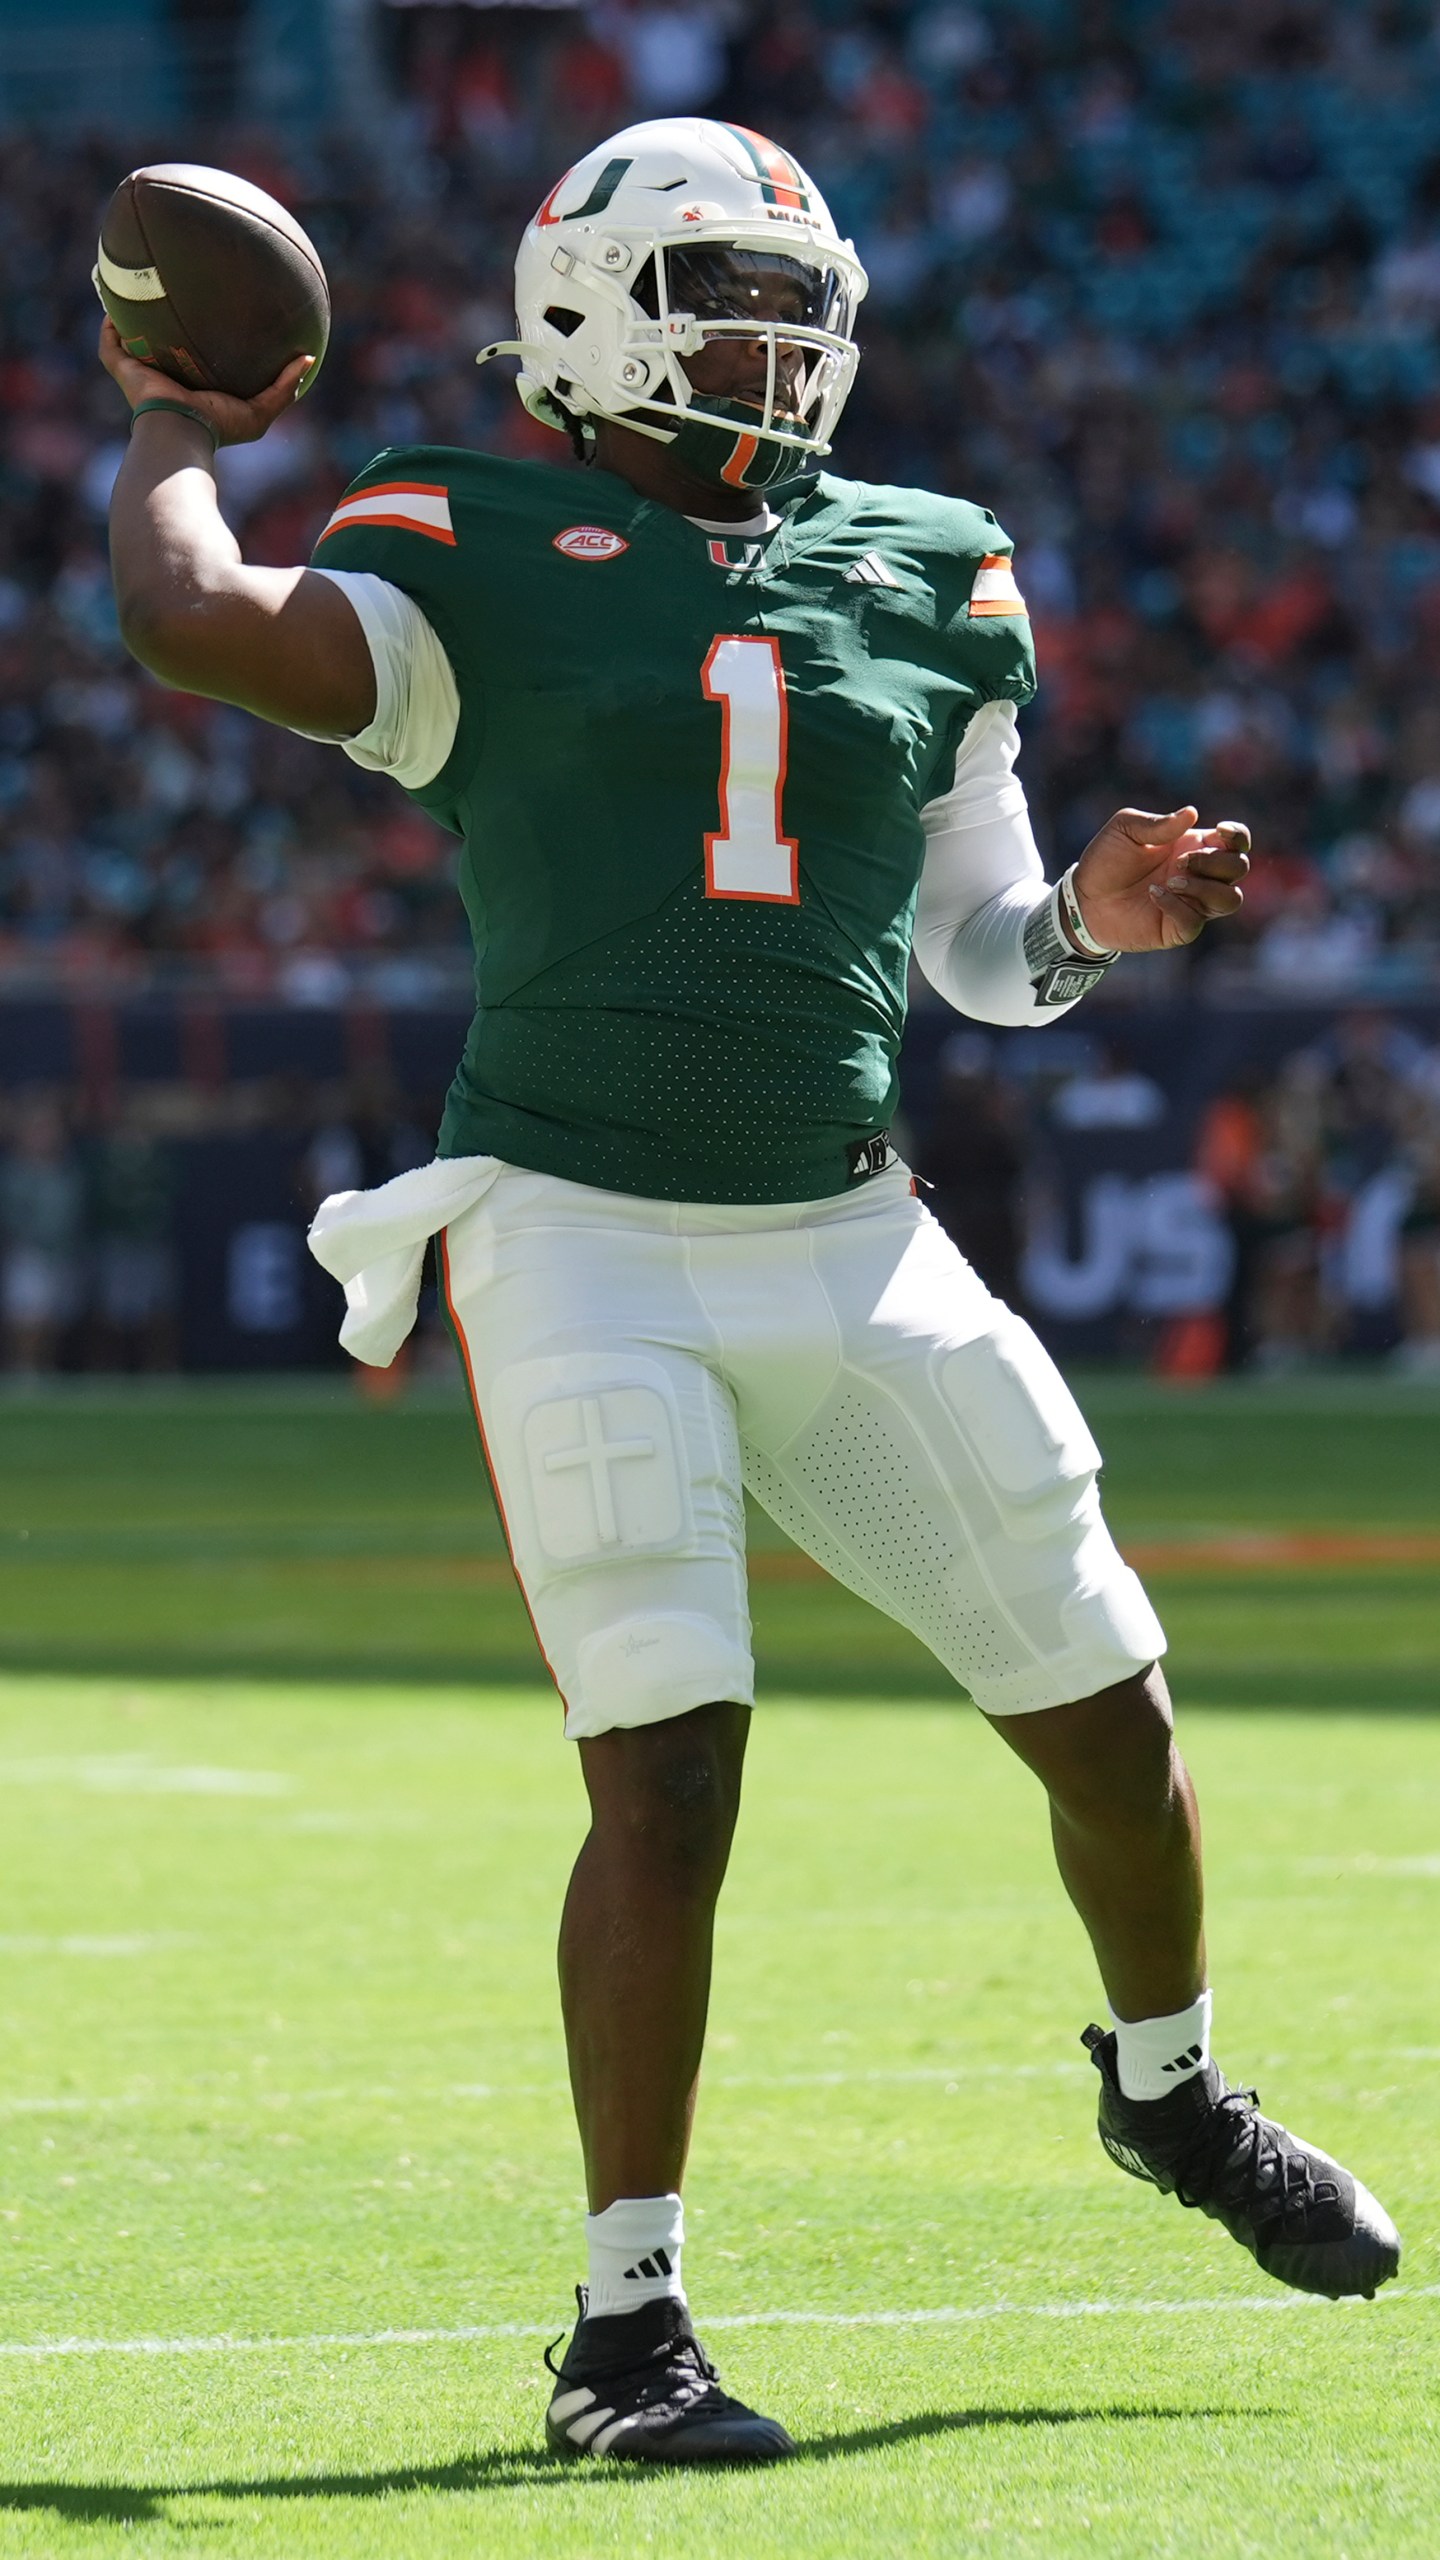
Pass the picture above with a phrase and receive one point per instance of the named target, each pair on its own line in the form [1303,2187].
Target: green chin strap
[717,445]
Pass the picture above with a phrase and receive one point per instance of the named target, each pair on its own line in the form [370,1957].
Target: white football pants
[634,1362]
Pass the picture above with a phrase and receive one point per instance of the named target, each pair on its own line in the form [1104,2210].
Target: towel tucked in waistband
[374,1241]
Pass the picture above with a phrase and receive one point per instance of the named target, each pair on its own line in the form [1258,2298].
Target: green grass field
[289,2197]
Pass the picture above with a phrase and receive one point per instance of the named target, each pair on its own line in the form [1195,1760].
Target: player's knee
[683,1824]
[1127,1774]
[672,1794]
[1106,1761]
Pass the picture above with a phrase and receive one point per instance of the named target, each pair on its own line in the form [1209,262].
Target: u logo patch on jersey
[590,542]
[736,555]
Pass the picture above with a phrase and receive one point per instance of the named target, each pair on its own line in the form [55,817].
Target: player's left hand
[1148,883]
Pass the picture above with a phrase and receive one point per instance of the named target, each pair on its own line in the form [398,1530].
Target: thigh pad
[1024,1432]
[590,1450]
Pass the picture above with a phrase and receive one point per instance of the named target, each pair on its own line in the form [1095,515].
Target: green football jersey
[688,777]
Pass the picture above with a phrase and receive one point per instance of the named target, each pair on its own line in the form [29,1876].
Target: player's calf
[1126,1835]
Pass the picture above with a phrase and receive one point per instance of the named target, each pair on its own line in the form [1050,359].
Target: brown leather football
[209,279]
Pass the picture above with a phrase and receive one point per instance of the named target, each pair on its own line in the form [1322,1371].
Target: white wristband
[1056,970]
[1075,923]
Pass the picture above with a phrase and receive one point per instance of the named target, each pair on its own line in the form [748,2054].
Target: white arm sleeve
[983,880]
[417,708]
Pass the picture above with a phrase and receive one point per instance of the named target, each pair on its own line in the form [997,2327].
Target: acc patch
[590,542]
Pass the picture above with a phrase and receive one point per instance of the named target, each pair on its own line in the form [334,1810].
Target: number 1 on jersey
[750,856]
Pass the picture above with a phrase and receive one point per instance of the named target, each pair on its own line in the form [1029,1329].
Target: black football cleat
[1302,2217]
[638,2386]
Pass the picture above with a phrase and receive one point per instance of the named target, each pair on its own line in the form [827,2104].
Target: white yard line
[946,2317]
[136,1774]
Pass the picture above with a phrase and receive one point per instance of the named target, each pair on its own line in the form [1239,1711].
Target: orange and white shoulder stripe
[415,506]
[994,590]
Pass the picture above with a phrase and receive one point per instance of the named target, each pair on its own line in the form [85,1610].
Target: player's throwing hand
[1148,883]
[231,420]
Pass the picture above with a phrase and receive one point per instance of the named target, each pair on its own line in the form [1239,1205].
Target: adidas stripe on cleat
[1303,2218]
[637,2386]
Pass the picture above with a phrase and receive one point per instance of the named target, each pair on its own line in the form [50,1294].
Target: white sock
[634,2250]
[1155,2054]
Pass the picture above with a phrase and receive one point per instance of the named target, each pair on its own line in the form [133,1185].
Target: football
[209,279]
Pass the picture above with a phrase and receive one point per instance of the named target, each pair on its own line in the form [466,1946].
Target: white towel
[374,1241]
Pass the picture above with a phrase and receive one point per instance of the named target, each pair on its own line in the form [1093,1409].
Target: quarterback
[724,737]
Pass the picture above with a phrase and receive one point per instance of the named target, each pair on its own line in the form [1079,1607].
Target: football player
[723,736]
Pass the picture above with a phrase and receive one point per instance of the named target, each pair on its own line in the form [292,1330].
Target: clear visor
[794,313]
[718,283]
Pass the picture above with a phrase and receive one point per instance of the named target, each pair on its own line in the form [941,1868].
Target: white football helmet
[656,244]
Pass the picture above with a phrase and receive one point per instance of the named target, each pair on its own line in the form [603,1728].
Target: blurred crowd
[94,1238]
[1158,280]
[1313,1190]
[1291,1216]
[1328,1174]
[88,1271]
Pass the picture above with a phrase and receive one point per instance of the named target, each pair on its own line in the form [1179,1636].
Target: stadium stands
[1159,281]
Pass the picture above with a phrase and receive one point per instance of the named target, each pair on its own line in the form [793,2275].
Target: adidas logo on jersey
[871,572]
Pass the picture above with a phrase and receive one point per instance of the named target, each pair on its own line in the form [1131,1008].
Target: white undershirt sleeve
[417,706]
[983,880]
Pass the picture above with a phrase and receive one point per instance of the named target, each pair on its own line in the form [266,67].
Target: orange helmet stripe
[782,178]
[544,218]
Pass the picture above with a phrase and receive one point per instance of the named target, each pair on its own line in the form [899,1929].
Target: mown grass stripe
[945,2076]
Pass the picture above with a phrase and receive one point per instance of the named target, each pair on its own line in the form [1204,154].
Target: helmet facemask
[657,259]
[702,295]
